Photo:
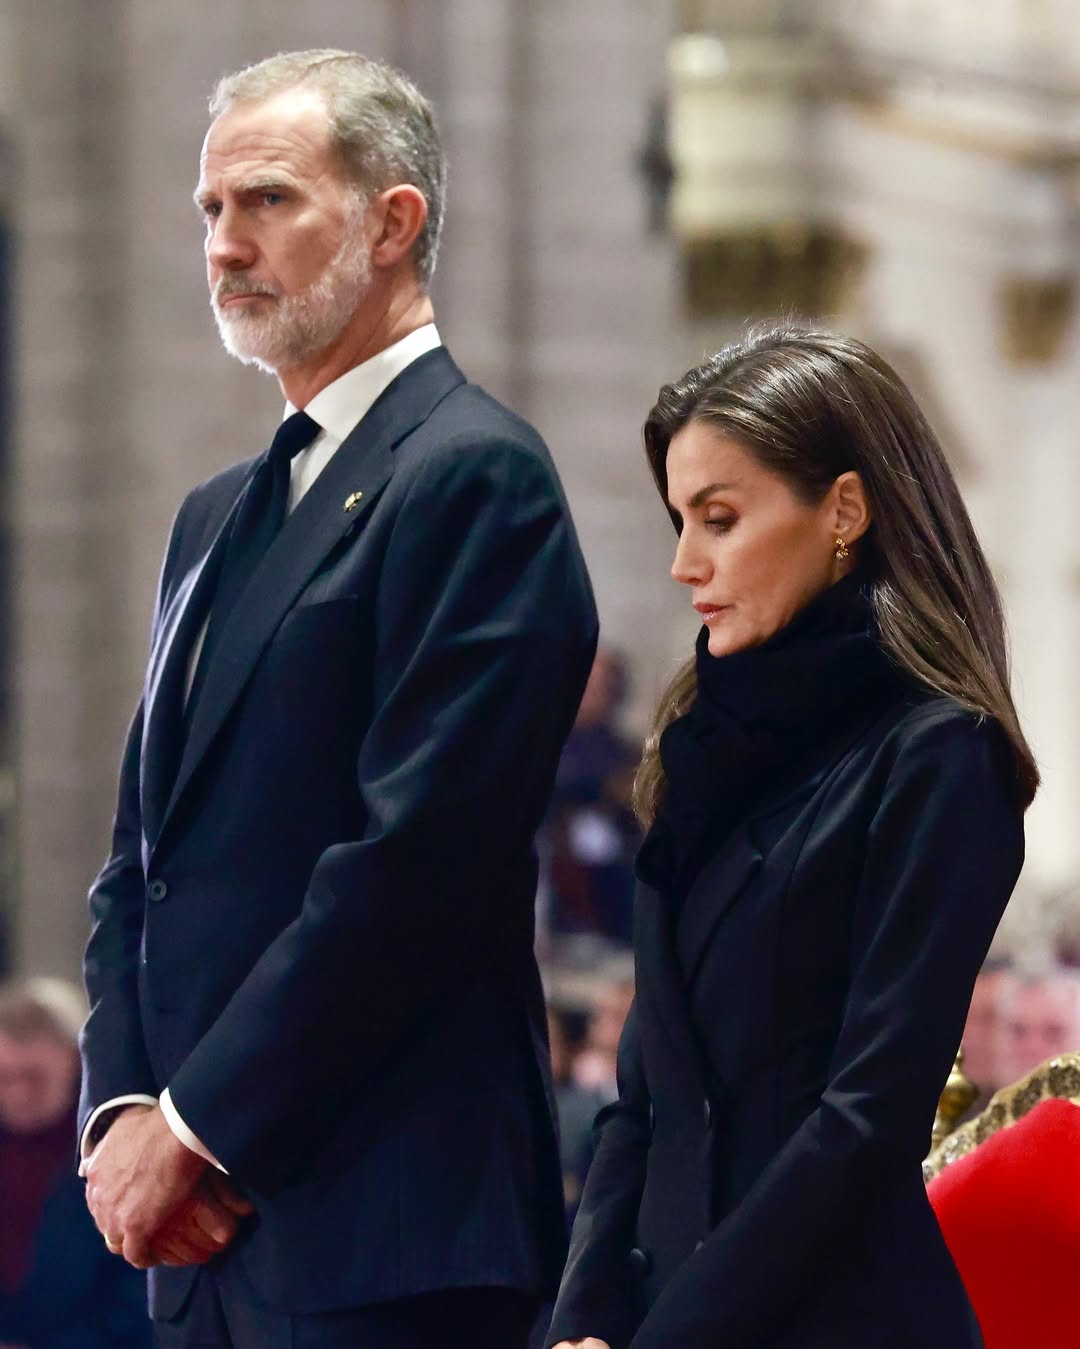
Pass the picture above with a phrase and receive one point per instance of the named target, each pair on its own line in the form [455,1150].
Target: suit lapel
[166,682]
[336,505]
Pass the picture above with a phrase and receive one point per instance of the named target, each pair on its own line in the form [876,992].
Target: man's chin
[246,346]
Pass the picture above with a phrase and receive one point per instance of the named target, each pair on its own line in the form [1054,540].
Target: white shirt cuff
[85,1145]
[180,1129]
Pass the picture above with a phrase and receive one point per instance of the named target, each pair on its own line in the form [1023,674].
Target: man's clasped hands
[154,1200]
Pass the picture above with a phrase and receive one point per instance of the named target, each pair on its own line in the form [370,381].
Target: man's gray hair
[383,127]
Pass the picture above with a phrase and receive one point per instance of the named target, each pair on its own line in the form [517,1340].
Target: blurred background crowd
[631,183]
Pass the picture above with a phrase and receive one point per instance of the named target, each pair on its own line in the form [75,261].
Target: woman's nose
[689,567]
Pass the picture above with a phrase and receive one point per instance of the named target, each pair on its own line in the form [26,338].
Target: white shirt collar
[339,406]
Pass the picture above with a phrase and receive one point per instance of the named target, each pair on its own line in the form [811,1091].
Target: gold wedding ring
[115,1247]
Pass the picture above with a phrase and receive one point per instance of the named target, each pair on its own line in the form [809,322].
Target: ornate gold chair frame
[1058,1078]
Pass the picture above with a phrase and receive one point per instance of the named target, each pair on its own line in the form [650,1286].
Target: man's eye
[212,210]
[273,198]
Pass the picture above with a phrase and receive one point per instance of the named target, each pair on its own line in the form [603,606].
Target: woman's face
[752,552]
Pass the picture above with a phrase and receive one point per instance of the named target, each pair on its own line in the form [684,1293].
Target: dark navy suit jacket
[317,930]
[758,1184]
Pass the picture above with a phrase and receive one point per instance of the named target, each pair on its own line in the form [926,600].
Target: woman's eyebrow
[702,494]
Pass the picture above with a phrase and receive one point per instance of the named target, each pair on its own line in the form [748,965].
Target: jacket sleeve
[484,634]
[115,1061]
[598,1295]
[943,853]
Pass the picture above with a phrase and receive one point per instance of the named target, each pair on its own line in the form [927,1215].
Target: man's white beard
[295,327]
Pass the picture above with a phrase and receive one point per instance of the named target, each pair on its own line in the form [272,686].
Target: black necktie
[259,517]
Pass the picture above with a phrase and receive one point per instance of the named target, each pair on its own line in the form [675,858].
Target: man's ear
[400,213]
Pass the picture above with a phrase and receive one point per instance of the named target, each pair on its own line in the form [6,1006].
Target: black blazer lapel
[720,884]
[725,877]
[336,505]
[663,990]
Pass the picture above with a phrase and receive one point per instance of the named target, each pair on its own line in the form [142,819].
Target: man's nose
[229,245]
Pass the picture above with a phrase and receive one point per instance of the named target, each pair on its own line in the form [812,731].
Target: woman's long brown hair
[810,405]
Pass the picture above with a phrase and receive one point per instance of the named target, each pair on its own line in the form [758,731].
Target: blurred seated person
[594,1066]
[590,834]
[1005,1188]
[982,1031]
[577,1106]
[59,1287]
[1039,1017]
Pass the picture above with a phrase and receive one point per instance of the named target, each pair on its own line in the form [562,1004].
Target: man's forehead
[292,129]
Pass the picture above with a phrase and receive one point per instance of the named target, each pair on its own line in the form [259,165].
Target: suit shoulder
[470,419]
[207,504]
[472,443]
[222,486]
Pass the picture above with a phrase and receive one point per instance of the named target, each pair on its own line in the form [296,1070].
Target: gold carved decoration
[1035,313]
[771,268]
[1058,1078]
[957,1098]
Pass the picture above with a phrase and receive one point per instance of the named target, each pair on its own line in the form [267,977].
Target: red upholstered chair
[1006,1191]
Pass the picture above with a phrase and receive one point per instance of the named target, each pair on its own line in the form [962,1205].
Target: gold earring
[841,549]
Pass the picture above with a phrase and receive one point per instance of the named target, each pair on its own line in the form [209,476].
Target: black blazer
[317,929]
[758,1183]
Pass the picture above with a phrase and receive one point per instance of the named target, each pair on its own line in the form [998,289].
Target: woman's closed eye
[720,524]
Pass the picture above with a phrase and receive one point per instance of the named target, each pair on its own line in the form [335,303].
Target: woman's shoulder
[935,737]
[923,721]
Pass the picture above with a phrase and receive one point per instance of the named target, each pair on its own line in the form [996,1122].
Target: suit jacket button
[640,1262]
[706,1114]
[698,1247]
[157,890]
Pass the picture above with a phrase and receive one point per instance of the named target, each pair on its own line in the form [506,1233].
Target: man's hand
[204,1224]
[136,1178]
[590,1343]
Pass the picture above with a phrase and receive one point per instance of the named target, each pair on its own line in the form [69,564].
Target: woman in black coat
[835,790]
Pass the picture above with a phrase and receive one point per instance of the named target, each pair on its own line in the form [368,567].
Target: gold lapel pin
[353,500]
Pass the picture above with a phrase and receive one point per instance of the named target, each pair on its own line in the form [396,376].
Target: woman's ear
[849,509]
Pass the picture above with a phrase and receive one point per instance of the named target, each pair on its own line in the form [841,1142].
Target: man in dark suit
[316,1095]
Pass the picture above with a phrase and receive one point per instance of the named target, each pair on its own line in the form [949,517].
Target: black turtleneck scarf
[759,716]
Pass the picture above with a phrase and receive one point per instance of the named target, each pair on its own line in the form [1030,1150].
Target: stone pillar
[599,298]
[1043,589]
[71,467]
[8,817]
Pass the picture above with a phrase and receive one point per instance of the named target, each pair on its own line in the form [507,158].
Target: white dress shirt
[337,409]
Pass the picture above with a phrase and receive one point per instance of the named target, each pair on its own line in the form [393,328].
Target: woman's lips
[710,611]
